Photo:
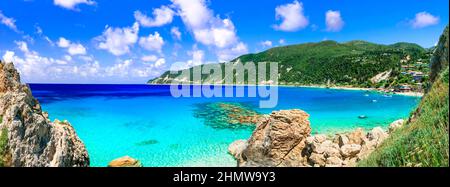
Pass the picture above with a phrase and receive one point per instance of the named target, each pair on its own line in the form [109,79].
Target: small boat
[367,95]
[374,101]
[362,117]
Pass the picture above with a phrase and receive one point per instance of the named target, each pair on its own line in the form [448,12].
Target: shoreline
[408,94]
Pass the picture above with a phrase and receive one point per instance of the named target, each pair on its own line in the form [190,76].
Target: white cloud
[46,38]
[230,53]
[23,46]
[175,33]
[8,56]
[333,21]
[149,58]
[76,49]
[71,4]
[194,13]
[266,43]
[424,19]
[160,62]
[221,34]
[129,69]
[197,58]
[9,22]
[212,31]
[36,68]
[118,40]
[162,16]
[72,48]
[152,42]
[68,57]
[281,41]
[63,43]
[40,32]
[149,70]
[86,58]
[292,17]
[119,69]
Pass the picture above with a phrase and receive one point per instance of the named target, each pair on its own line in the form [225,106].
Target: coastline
[408,94]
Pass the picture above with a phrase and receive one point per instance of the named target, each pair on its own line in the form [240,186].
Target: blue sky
[100,41]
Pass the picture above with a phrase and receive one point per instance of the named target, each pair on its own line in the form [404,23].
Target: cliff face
[439,61]
[32,139]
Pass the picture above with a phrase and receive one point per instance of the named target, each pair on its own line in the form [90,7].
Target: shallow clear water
[147,123]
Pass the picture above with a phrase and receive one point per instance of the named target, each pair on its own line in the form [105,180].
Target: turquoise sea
[147,123]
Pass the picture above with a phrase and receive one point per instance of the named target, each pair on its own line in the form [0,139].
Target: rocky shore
[32,140]
[283,139]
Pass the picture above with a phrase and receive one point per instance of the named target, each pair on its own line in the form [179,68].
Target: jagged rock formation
[284,139]
[277,140]
[32,139]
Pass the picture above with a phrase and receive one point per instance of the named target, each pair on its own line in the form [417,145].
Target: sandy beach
[411,94]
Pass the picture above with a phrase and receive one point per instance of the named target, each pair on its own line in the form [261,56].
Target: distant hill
[351,63]
[423,140]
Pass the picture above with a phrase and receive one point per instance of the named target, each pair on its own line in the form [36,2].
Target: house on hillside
[418,76]
[403,88]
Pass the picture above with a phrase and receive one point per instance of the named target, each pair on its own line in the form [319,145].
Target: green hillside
[352,63]
[423,141]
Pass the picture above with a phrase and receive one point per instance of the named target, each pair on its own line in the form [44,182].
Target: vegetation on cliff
[423,141]
[331,63]
[3,144]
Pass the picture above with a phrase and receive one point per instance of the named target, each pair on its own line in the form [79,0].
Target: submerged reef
[223,115]
[147,142]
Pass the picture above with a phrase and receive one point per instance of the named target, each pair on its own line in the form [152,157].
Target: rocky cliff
[32,140]
[439,60]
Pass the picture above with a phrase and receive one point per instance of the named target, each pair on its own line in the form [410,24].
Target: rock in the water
[125,161]
[278,140]
[34,141]
[395,125]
